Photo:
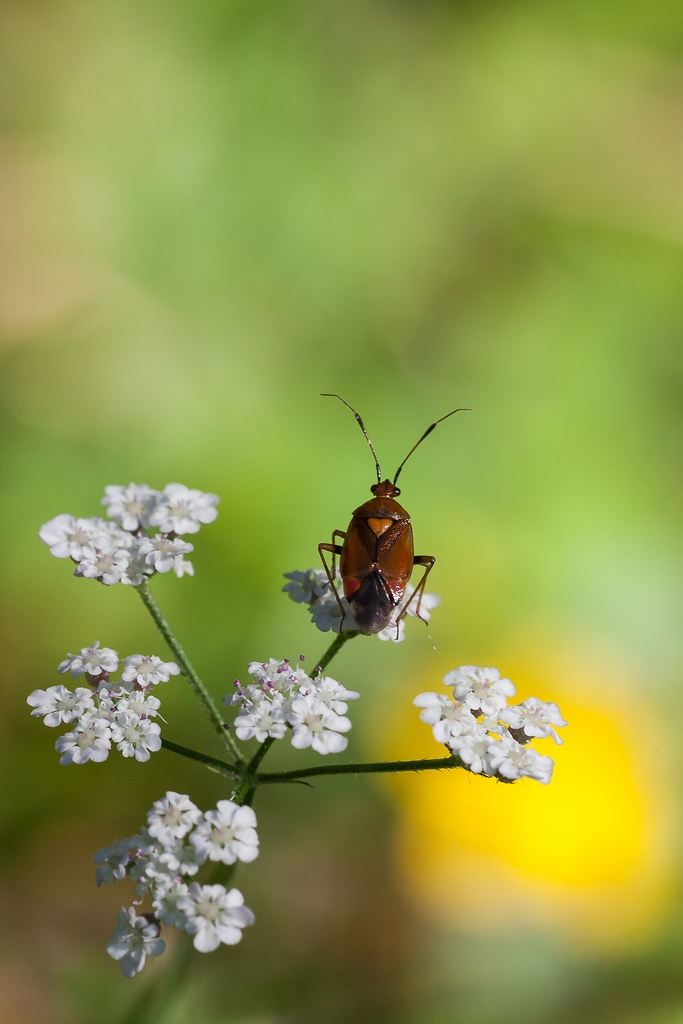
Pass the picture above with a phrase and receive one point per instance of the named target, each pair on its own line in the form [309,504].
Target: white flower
[147,670]
[447,718]
[305,587]
[131,505]
[88,742]
[313,588]
[181,567]
[482,689]
[57,704]
[92,660]
[165,903]
[326,615]
[154,864]
[134,940]
[275,680]
[135,737]
[433,703]
[510,760]
[161,552]
[427,604]
[473,749]
[172,817]
[112,862]
[329,692]
[163,863]
[139,703]
[226,834]
[247,695]
[271,671]
[115,535]
[393,630]
[313,725]
[137,570]
[214,916]
[263,719]
[140,846]
[182,510]
[534,717]
[67,536]
[104,710]
[103,561]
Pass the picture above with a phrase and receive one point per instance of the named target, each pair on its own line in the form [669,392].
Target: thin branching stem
[188,670]
[232,771]
[259,755]
[368,768]
[249,778]
[151,1005]
[335,647]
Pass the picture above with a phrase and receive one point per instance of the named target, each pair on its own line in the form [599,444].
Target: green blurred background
[211,211]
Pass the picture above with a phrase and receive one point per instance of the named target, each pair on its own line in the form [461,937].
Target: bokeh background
[213,210]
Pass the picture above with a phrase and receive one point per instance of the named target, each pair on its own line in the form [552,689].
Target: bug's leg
[336,533]
[335,549]
[428,561]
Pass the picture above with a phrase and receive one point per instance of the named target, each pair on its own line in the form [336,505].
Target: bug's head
[385,489]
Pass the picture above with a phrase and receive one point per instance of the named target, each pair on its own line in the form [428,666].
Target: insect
[377,556]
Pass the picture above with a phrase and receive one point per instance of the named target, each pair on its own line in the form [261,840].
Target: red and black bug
[377,556]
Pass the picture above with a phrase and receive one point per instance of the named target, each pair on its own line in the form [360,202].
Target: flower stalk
[188,670]
[335,647]
[251,779]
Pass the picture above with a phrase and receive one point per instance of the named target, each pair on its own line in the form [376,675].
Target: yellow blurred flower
[589,855]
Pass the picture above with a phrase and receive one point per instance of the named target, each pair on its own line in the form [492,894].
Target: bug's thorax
[383,509]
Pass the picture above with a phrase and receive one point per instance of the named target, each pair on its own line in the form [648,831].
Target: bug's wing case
[395,561]
[373,604]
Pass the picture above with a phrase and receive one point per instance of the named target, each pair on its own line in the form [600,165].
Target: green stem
[156,999]
[369,768]
[222,874]
[259,755]
[188,670]
[335,647]
[232,771]
[244,793]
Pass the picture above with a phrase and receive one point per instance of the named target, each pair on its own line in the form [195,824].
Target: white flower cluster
[312,588]
[281,697]
[123,548]
[162,861]
[490,737]
[105,712]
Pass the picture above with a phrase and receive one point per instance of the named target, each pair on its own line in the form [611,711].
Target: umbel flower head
[282,697]
[118,712]
[487,736]
[162,860]
[141,537]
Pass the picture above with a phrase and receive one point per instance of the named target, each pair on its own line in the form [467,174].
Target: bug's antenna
[362,427]
[426,434]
